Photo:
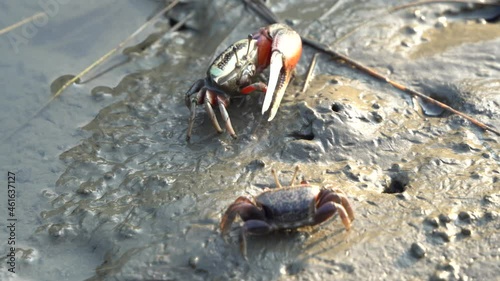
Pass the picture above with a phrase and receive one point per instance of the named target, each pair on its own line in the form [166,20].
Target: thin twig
[397,85]
[310,72]
[118,64]
[23,22]
[93,65]
[106,56]
[261,8]
[263,11]
[114,66]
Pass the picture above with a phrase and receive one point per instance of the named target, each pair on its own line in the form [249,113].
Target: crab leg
[328,209]
[193,101]
[253,227]
[209,98]
[340,198]
[191,119]
[225,116]
[242,206]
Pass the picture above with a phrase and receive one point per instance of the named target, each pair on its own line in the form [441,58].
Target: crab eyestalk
[280,48]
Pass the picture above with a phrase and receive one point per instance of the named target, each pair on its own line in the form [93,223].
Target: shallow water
[108,189]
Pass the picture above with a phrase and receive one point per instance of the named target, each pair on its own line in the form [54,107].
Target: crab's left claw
[280,47]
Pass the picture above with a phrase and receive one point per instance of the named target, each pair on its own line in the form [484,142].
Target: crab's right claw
[282,47]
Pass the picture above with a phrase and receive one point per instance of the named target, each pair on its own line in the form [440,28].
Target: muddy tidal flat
[107,188]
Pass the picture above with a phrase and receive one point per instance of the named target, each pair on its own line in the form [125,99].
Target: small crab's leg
[242,206]
[253,227]
[347,205]
[294,175]
[278,184]
[327,210]
[225,116]
[321,196]
[209,98]
[340,198]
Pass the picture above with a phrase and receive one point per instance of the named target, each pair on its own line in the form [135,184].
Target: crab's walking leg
[225,116]
[243,207]
[210,98]
[192,108]
[253,227]
[338,197]
[327,210]
[192,101]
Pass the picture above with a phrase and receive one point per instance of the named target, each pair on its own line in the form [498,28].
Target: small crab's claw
[280,47]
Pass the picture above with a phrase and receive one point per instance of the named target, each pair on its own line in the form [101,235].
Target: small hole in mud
[377,118]
[302,136]
[434,110]
[398,184]
[173,22]
[337,107]
[395,187]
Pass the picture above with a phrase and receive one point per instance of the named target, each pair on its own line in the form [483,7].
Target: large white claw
[274,75]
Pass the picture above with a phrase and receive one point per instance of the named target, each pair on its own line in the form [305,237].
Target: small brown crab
[287,208]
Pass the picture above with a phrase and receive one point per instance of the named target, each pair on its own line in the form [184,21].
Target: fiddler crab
[287,208]
[234,71]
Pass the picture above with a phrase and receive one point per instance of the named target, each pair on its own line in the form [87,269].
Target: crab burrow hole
[302,135]
[398,183]
[337,107]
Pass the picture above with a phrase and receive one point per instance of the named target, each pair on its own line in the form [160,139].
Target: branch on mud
[22,22]
[101,60]
[106,56]
[310,72]
[149,43]
[262,10]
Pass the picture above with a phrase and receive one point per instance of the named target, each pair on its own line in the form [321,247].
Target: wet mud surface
[130,199]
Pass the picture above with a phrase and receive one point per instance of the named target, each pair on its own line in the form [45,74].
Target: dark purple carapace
[289,206]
